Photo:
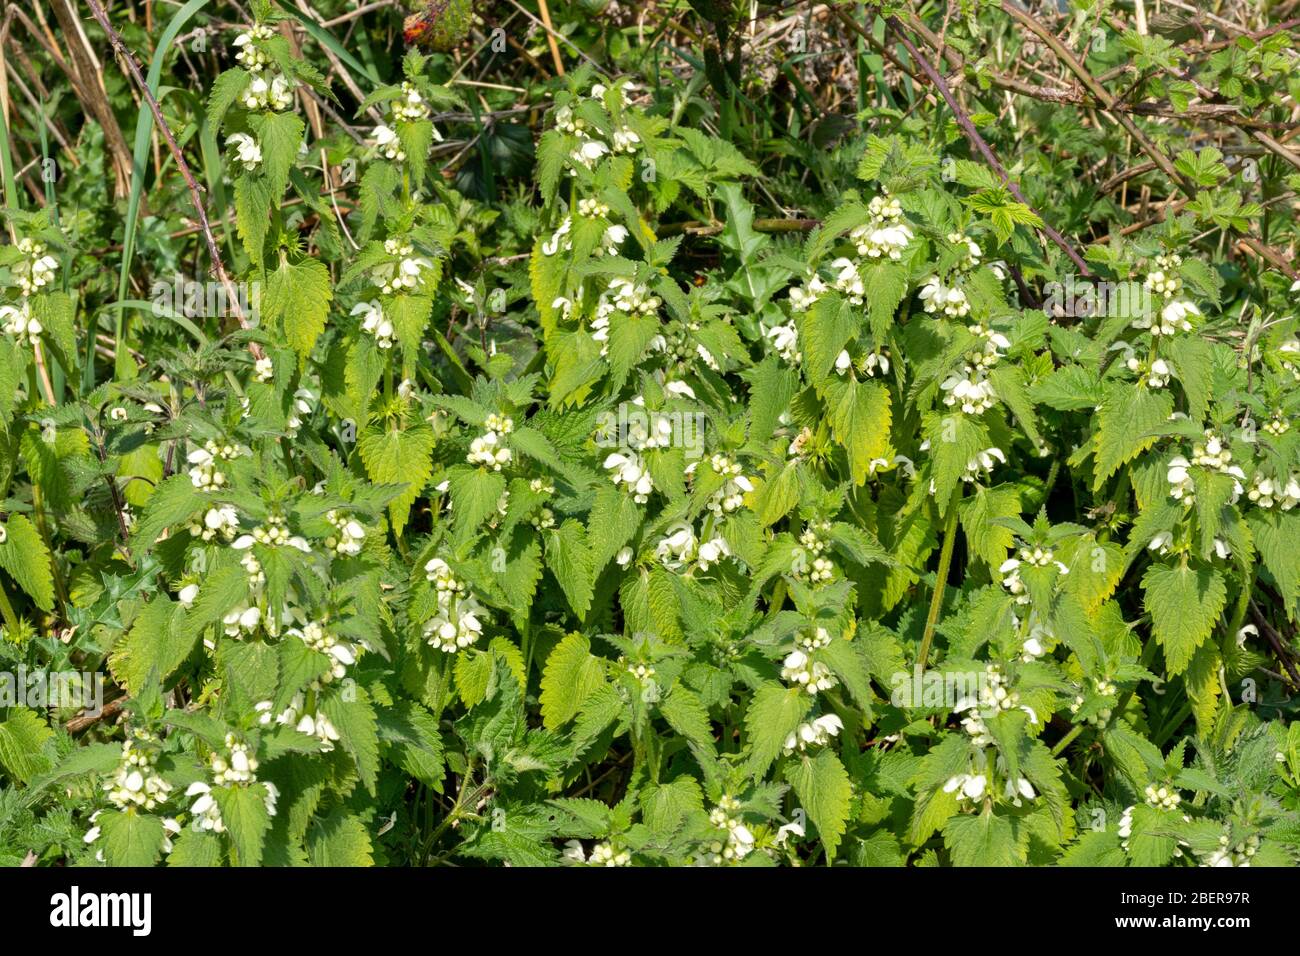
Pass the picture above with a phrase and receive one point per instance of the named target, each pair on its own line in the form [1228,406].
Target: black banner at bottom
[173,905]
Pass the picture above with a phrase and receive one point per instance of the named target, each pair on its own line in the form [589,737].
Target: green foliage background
[951,516]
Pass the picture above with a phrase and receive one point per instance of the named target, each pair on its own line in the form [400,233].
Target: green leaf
[1184,604]
[569,556]
[686,715]
[982,839]
[774,713]
[297,298]
[399,457]
[23,736]
[155,646]
[281,135]
[225,90]
[243,811]
[860,417]
[358,732]
[572,673]
[130,838]
[24,555]
[339,840]
[1125,424]
[823,787]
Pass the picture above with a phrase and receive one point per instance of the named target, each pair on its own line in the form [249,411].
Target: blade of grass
[139,158]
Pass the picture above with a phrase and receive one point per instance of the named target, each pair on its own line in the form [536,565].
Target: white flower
[388,144]
[848,280]
[713,551]
[1173,318]
[249,54]
[604,854]
[241,620]
[20,323]
[247,151]
[374,323]
[263,369]
[456,624]
[487,450]
[967,786]
[735,485]
[35,270]
[342,654]
[630,471]
[785,341]
[803,297]
[625,140]
[814,733]
[187,595]
[588,153]
[410,106]
[936,297]
[624,557]
[971,391]
[802,671]
[1181,487]
[676,550]
[404,272]
[885,235]
[350,534]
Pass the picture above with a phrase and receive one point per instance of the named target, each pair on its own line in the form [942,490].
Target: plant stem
[7,610]
[940,579]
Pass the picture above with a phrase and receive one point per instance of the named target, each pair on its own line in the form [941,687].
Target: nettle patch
[835,550]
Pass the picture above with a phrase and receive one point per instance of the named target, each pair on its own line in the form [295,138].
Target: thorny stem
[972,134]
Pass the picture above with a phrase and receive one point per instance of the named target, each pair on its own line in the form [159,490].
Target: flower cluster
[205,474]
[404,272]
[487,449]
[627,468]
[235,768]
[1104,689]
[136,782]
[37,267]
[735,485]
[273,534]
[621,296]
[589,149]
[262,94]
[970,391]
[812,563]
[374,322]
[1214,454]
[680,550]
[350,534]
[20,323]
[737,841]
[221,521]
[456,624]
[248,47]
[802,671]
[1156,372]
[1172,318]
[313,725]
[813,733]
[247,151]
[1233,854]
[1274,493]
[342,654]
[950,300]
[886,235]
[409,107]
[1036,557]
